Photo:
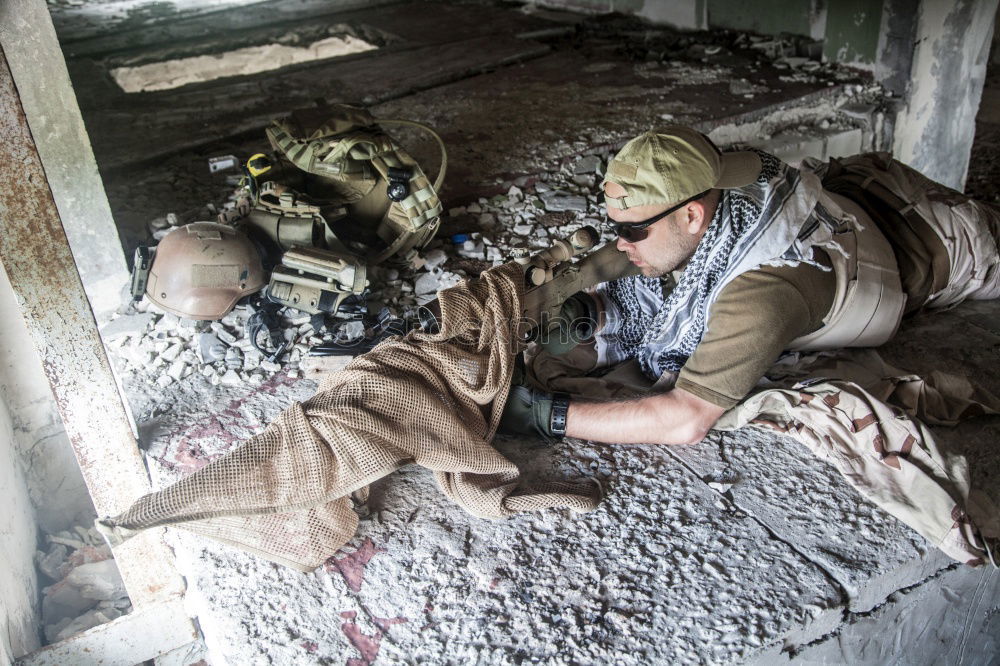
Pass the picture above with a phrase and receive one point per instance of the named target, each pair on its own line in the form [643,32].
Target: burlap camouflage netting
[434,400]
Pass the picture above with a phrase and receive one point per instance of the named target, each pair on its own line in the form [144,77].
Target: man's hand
[576,322]
[528,412]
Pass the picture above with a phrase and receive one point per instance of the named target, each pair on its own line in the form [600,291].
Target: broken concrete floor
[742,548]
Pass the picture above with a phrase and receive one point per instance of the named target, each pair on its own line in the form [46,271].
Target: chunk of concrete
[434,258]
[231,378]
[314,367]
[51,563]
[589,164]
[98,580]
[63,600]
[127,326]
[558,201]
[86,621]
[210,348]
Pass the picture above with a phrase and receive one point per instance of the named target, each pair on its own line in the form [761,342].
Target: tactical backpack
[377,195]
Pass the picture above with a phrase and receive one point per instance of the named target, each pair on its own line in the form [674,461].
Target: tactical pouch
[314,280]
[284,220]
[354,160]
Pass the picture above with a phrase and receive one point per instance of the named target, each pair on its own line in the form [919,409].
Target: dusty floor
[741,548]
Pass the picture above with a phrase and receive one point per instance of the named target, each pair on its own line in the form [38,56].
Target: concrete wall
[897,36]
[872,35]
[52,475]
[935,128]
[850,28]
[19,630]
[852,32]
[769,17]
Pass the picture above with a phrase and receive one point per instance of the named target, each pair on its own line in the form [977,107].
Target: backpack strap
[852,180]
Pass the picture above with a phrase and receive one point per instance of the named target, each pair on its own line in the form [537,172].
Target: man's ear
[695,220]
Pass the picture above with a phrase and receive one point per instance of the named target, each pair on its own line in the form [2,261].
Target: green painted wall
[768,17]
[852,28]
[849,28]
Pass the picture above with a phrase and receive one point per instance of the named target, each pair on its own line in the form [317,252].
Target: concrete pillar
[36,62]
[936,125]
[995,49]
[35,254]
[897,36]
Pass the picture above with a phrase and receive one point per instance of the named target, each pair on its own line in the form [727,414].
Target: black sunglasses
[633,232]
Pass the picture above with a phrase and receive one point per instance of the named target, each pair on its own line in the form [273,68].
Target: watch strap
[560,407]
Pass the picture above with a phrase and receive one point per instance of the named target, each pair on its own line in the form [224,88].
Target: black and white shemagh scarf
[774,220]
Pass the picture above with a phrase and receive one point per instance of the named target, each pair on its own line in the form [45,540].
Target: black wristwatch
[560,407]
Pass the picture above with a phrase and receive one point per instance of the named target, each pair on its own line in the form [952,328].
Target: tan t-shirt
[752,321]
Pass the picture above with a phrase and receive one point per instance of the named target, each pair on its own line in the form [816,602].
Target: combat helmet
[200,270]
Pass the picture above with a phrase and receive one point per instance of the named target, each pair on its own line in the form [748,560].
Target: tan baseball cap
[673,164]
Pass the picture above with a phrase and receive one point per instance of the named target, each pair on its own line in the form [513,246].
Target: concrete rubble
[84,587]
[147,340]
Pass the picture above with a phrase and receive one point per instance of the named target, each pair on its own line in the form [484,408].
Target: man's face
[670,242]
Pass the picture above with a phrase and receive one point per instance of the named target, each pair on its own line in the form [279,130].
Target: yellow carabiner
[258,164]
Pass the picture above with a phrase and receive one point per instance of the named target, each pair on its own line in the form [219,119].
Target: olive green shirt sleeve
[750,324]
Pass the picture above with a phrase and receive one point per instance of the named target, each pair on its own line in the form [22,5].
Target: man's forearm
[674,417]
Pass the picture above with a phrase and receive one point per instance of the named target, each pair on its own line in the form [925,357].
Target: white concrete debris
[86,588]
[589,164]
[234,358]
[559,201]
[231,378]
[127,326]
[350,330]
[434,258]
[270,366]
[98,580]
[211,349]
[222,333]
[177,370]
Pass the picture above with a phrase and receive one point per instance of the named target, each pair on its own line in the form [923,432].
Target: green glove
[528,412]
[577,321]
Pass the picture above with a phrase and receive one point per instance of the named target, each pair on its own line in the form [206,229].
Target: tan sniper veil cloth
[433,400]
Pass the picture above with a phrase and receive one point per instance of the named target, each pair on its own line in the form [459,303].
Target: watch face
[397,191]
